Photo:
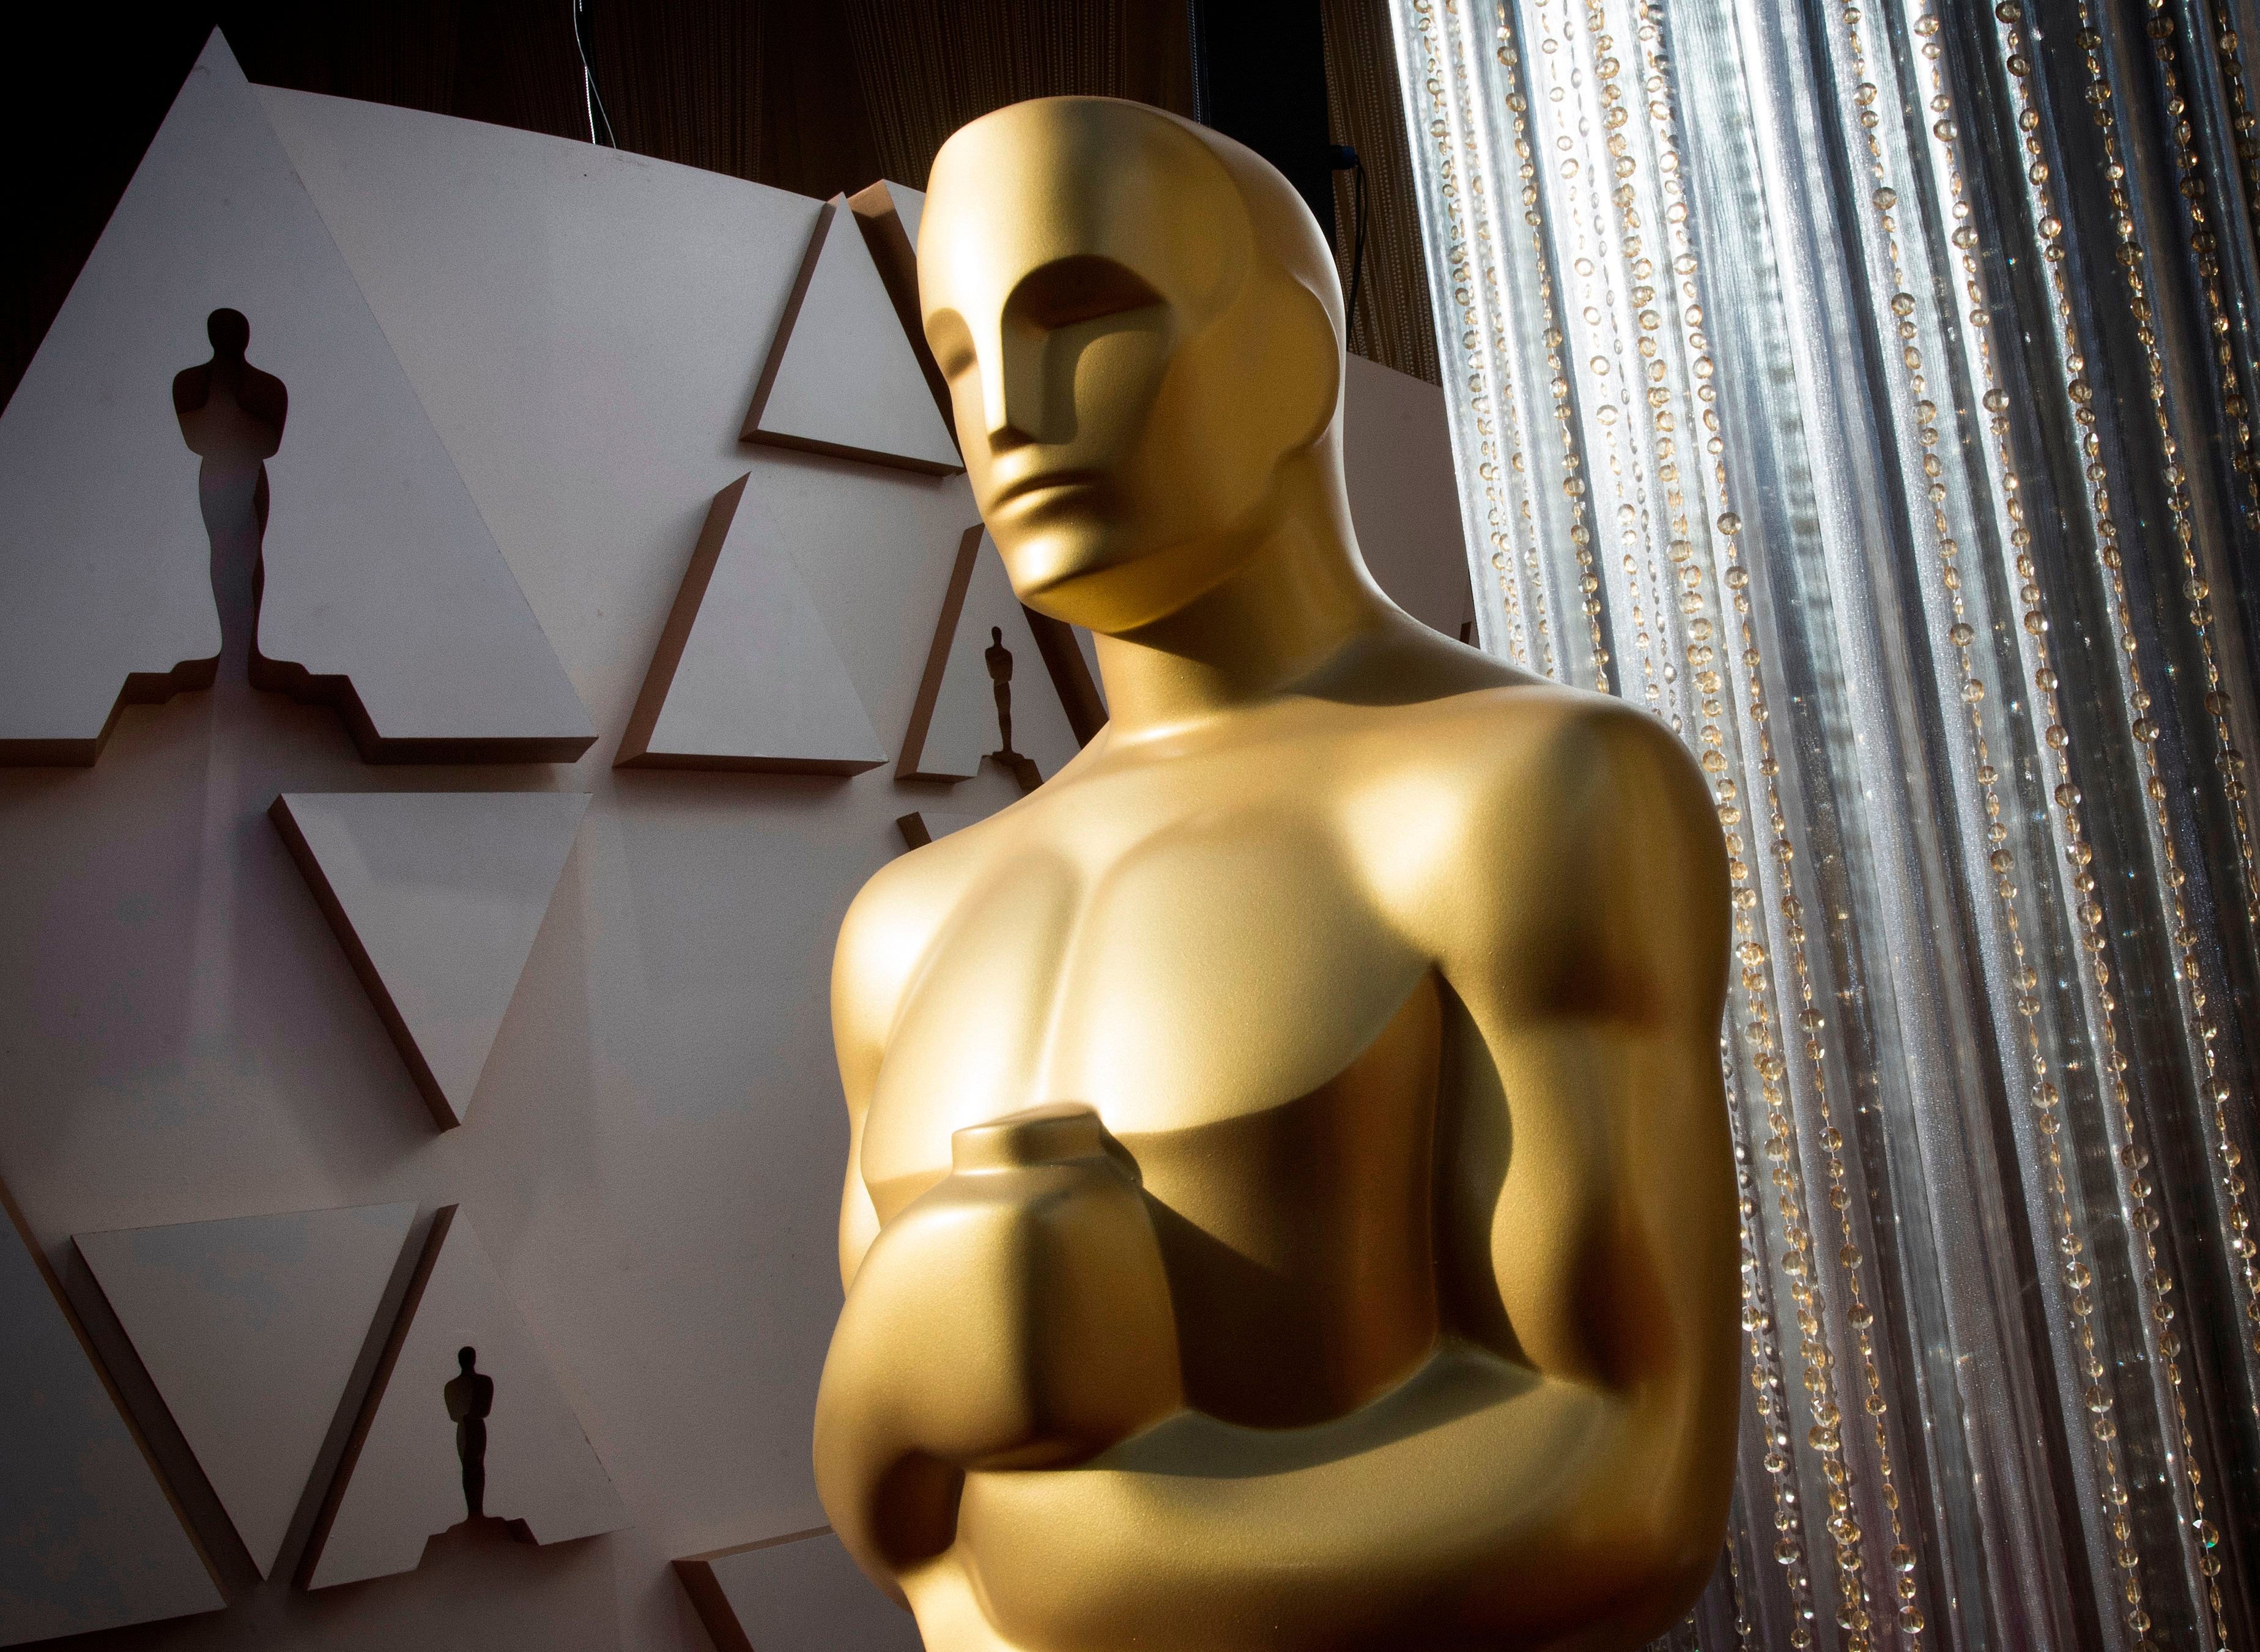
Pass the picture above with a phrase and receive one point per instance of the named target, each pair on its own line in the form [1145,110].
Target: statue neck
[1294,604]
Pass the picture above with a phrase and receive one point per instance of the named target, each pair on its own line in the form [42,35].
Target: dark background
[817,96]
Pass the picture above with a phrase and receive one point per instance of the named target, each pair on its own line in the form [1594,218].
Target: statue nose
[1012,392]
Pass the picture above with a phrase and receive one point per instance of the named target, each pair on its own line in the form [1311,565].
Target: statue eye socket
[947,336]
[1086,288]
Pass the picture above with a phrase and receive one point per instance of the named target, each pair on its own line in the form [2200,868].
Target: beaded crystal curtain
[1866,390]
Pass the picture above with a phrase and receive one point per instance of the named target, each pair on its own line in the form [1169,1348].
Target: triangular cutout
[982,643]
[889,215]
[249,1329]
[405,1476]
[799,1593]
[841,376]
[89,1537]
[384,594]
[745,676]
[437,896]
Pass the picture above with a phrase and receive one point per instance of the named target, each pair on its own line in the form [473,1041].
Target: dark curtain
[818,99]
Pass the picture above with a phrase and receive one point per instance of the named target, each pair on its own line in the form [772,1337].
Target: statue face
[1127,371]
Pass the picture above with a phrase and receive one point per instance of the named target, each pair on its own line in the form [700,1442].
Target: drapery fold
[1865,389]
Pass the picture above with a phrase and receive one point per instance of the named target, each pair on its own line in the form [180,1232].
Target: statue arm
[882,940]
[1614,1243]
[1558,1473]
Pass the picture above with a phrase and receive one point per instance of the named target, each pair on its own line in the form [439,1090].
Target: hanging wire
[600,124]
[1346,159]
[1357,258]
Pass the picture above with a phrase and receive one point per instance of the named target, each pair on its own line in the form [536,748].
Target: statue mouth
[1047,485]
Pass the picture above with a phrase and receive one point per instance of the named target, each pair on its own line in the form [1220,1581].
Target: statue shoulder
[888,929]
[1565,799]
[882,938]
[1570,752]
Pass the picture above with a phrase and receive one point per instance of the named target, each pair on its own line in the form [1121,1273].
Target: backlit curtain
[1866,389]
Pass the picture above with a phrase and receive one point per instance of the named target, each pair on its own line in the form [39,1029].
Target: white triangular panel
[801,1593]
[403,1481]
[385,593]
[745,676]
[842,377]
[437,896]
[910,207]
[249,1329]
[89,1537]
[957,722]
[889,215]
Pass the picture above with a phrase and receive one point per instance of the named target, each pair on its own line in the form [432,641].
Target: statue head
[1142,328]
[469,1359]
[229,330]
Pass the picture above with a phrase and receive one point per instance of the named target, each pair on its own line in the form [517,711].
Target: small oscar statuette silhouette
[470,1398]
[998,659]
[231,417]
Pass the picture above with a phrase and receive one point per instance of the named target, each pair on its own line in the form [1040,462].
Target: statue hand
[1020,1308]
[1015,1316]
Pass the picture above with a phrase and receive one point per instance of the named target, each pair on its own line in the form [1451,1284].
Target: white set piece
[90,1537]
[841,376]
[436,897]
[958,719]
[402,1482]
[385,593]
[801,1593]
[889,213]
[250,1328]
[746,676]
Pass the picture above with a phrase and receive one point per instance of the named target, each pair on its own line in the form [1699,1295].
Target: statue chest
[1224,991]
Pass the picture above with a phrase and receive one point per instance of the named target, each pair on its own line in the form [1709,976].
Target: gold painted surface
[1290,1202]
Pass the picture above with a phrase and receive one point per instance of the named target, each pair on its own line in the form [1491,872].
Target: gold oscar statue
[1289,1202]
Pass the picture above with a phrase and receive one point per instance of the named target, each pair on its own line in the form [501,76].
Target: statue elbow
[1672,1557]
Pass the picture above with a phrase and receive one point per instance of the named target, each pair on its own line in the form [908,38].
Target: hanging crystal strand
[1569,479]
[2244,134]
[1745,1625]
[1954,524]
[1680,397]
[1778,306]
[2202,992]
[1866,1621]
[1497,405]
[1518,290]
[2219,353]
[1502,97]
[1770,1401]
[1778,1078]
[2216,133]
[2132,1151]
[1450,160]
[1737,753]
[1673,371]
[1989,1539]
[2209,204]
[1566,121]
[1640,411]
